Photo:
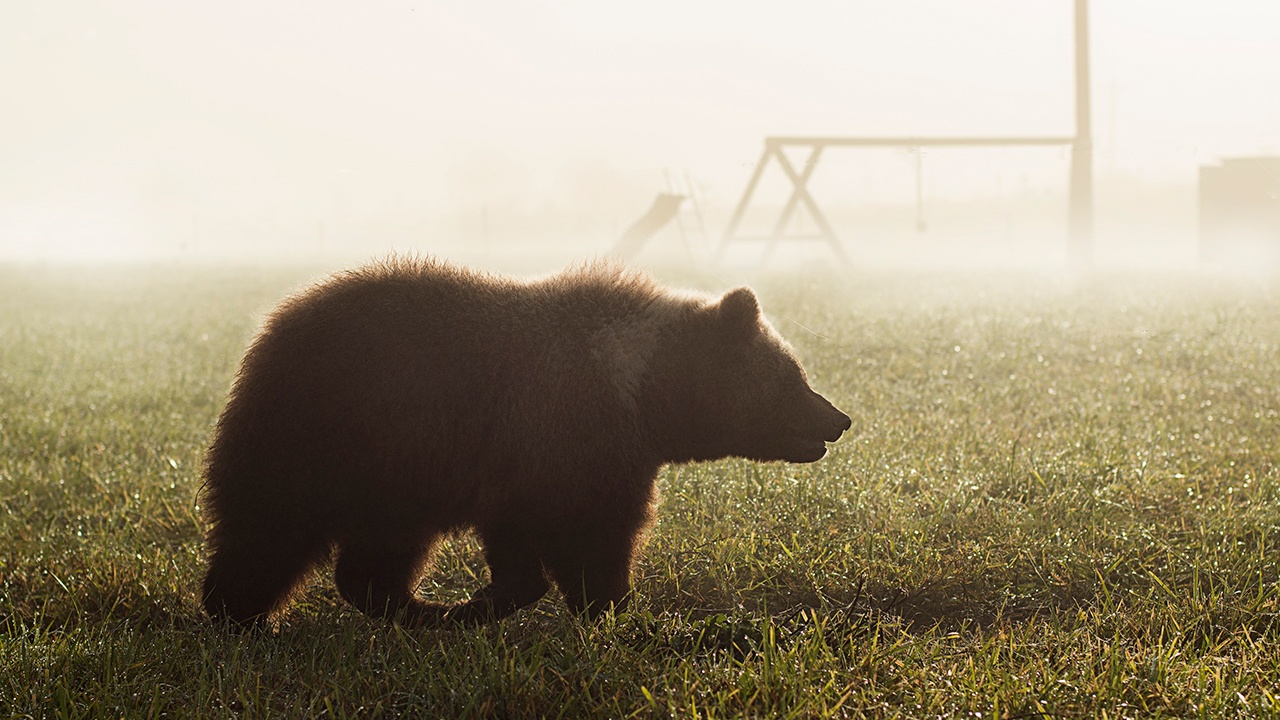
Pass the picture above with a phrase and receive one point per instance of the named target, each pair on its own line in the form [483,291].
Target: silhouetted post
[920,225]
[745,200]
[1080,211]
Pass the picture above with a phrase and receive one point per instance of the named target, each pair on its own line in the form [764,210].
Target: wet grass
[1059,499]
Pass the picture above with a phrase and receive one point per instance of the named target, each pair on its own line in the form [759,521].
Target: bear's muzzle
[819,423]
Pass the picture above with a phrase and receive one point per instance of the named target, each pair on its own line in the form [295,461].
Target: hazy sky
[112,108]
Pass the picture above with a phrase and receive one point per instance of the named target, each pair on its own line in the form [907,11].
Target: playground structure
[1240,212]
[1080,202]
[664,211]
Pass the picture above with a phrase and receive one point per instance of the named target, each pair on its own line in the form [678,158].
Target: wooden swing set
[1079,213]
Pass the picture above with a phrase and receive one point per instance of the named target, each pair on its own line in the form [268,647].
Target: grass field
[1058,499]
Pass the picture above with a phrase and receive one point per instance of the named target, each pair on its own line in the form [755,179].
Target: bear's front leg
[516,579]
[380,575]
[592,567]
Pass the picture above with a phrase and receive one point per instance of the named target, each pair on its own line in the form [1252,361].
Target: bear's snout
[831,422]
[817,424]
[840,423]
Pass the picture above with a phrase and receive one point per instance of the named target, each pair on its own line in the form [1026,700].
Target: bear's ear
[740,310]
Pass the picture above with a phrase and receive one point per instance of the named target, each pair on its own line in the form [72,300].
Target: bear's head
[748,395]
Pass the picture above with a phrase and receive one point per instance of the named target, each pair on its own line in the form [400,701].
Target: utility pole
[1080,210]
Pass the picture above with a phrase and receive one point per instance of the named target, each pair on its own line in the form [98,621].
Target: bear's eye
[794,379]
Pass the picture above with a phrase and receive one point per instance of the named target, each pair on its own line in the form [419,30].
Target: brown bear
[388,406]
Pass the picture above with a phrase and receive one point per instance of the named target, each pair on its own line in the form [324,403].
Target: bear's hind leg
[380,577]
[516,579]
[252,576]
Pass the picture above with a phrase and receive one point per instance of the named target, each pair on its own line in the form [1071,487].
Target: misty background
[141,129]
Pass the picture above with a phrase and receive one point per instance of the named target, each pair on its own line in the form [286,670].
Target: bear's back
[384,356]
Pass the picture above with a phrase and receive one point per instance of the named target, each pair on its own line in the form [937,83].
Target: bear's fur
[388,406]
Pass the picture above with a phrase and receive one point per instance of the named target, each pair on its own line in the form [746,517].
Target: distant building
[1240,211]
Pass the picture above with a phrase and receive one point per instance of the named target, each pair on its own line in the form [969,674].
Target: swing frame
[1079,213]
[773,150]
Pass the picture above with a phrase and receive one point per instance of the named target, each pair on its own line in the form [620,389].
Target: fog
[326,131]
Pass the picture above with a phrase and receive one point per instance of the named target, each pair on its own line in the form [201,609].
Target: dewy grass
[1059,499]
